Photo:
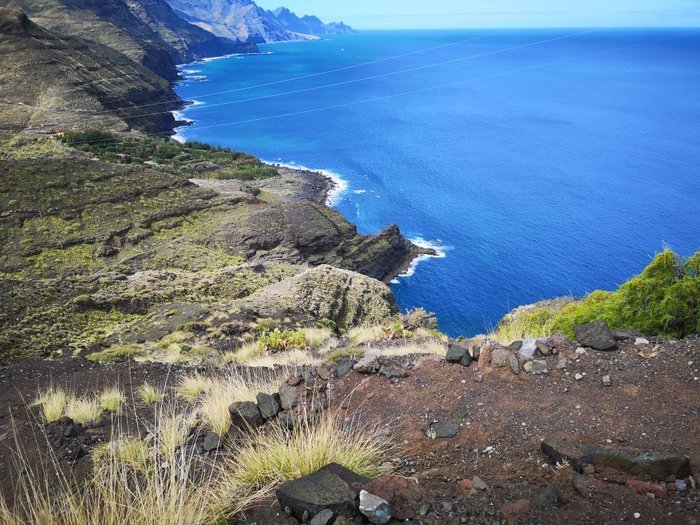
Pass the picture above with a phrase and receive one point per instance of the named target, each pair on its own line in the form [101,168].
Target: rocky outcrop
[347,298]
[184,41]
[313,233]
[243,20]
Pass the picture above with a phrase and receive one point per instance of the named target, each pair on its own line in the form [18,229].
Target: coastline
[317,185]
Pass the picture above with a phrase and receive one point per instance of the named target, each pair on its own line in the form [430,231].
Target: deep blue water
[543,162]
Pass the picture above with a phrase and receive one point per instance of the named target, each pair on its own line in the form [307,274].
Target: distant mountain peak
[245,21]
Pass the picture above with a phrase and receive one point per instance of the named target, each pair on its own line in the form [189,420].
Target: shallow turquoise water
[543,163]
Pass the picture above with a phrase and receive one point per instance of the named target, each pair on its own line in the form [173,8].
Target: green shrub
[281,341]
[663,300]
[87,138]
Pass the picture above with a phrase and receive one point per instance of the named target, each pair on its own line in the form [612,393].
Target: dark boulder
[549,498]
[656,465]
[325,517]
[245,415]
[596,335]
[330,488]
[289,396]
[626,334]
[271,516]
[458,354]
[211,442]
[344,366]
[442,430]
[269,405]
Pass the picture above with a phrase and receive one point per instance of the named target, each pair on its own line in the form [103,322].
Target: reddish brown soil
[653,404]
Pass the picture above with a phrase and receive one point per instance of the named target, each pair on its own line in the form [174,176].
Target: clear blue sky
[410,14]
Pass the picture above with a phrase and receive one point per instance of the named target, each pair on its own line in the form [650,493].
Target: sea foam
[441,253]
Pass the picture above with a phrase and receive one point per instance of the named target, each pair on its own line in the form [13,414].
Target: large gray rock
[325,517]
[596,335]
[499,357]
[536,367]
[328,488]
[245,415]
[367,365]
[347,298]
[527,350]
[374,508]
[212,441]
[289,396]
[269,405]
[458,354]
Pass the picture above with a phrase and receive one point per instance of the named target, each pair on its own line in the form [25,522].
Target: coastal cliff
[52,83]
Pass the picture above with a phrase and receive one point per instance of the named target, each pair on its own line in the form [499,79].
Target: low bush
[337,355]
[281,341]
[118,352]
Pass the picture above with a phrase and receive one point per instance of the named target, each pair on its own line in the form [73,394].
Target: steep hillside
[243,20]
[147,31]
[52,82]
[99,252]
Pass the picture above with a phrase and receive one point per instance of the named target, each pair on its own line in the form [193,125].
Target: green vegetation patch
[663,300]
[192,157]
[282,340]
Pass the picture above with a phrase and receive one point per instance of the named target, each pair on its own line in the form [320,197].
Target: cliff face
[147,31]
[51,82]
[243,20]
[186,42]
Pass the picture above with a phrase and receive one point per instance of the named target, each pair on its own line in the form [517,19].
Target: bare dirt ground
[502,419]
[653,404]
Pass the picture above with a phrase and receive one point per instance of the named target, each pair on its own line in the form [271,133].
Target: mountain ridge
[244,20]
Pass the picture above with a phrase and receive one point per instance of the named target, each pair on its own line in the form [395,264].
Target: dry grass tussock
[149,394]
[132,484]
[156,480]
[233,387]
[87,410]
[280,454]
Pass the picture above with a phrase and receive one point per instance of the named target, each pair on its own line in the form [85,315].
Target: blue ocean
[541,162]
